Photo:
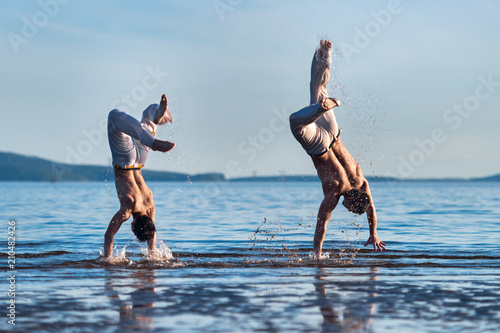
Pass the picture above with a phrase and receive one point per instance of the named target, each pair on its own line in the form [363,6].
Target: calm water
[241,260]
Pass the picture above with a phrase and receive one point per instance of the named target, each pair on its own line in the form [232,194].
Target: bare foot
[163,146]
[162,115]
[326,44]
[329,103]
[325,49]
[163,103]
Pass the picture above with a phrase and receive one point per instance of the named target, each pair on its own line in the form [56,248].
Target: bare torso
[135,199]
[338,171]
[133,193]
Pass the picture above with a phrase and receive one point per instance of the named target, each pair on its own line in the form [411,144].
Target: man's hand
[378,245]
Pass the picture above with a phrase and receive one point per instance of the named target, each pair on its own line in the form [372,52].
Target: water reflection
[133,296]
[346,306]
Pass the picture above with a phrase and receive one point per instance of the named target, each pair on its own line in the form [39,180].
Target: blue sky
[419,81]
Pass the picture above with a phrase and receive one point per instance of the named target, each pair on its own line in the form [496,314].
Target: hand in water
[378,245]
[322,256]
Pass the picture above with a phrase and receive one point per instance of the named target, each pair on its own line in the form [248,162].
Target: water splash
[323,256]
[271,236]
[162,252]
[118,257]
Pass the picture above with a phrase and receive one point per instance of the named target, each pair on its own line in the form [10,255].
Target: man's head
[356,201]
[144,228]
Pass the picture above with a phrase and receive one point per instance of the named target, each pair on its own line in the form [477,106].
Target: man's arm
[152,245]
[371,215]
[151,213]
[162,115]
[325,212]
[116,222]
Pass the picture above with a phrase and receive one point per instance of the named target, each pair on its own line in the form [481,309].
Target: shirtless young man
[130,141]
[316,129]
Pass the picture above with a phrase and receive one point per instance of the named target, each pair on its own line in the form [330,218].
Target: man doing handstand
[316,129]
[130,141]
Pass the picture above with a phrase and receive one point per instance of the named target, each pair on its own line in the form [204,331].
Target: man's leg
[120,123]
[119,120]
[309,115]
[320,75]
[320,102]
[320,71]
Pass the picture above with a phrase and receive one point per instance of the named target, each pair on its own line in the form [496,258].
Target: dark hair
[360,201]
[144,228]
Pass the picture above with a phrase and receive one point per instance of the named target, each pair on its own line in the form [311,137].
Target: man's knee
[113,114]
[293,119]
[295,124]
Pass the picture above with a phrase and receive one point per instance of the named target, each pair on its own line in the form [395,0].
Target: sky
[419,81]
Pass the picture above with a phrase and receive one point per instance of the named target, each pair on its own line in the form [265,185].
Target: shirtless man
[316,129]
[130,141]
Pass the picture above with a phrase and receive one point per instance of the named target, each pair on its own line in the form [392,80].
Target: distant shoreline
[314,178]
[16,167]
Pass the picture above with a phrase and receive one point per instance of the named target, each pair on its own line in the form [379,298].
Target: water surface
[241,260]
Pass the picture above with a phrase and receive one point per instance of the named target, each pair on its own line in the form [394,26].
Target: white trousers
[314,128]
[129,139]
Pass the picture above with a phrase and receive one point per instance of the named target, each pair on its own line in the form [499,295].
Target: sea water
[236,257]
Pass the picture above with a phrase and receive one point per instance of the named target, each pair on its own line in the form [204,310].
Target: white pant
[129,139]
[314,128]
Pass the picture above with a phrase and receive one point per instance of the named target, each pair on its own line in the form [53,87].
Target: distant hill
[287,178]
[371,179]
[495,178]
[27,168]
